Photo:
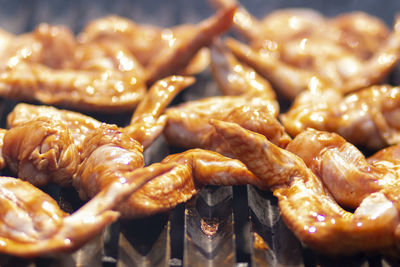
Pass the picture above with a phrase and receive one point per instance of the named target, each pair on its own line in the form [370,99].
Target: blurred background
[23,15]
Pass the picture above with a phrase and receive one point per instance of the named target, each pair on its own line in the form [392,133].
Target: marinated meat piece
[103,153]
[195,168]
[248,100]
[148,120]
[188,124]
[369,117]
[107,155]
[78,124]
[32,224]
[47,154]
[291,46]
[146,124]
[49,65]
[235,78]
[308,208]
[162,51]
[344,170]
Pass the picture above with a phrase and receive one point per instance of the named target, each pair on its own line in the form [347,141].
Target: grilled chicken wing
[107,155]
[307,207]
[47,154]
[195,168]
[147,121]
[163,51]
[67,147]
[248,100]
[146,124]
[291,46]
[369,117]
[32,224]
[344,170]
[50,66]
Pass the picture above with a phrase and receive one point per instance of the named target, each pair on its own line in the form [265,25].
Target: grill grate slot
[283,247]
[209,236]
[144,242]
[242,225]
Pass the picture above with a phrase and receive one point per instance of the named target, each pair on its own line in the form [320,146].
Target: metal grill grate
[215,228]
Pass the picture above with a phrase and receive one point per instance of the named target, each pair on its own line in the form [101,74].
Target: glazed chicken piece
[195,168]
[290,46]
[146,124]
[369,117]
[32,224]
[48,65]
[108,154]
[55,148]
[248,100]
[307,206]
[344,170]
[70,148]
[47,154]
[163,52]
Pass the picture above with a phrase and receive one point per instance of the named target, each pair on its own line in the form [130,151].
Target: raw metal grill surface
[216,227]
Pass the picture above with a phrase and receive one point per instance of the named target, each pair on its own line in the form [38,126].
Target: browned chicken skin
[32,224]
[67,147]
[47,154]
[307,207]
[290,47]
[344,170]
[108,154]
[100,76]
[100,72]
[163,51]
[146,124]
[248,100]
[196,168]
[369,117]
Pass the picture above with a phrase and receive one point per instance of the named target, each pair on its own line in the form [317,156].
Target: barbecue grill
[221,226]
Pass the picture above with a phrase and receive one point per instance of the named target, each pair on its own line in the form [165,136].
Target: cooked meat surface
[248,100]
[368,117]
[308,207]
[32,224]
[292,46]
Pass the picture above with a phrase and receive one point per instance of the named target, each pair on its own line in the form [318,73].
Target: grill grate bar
[111,244]
[242,226]
[283,247]
[144,242]
[209,236]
